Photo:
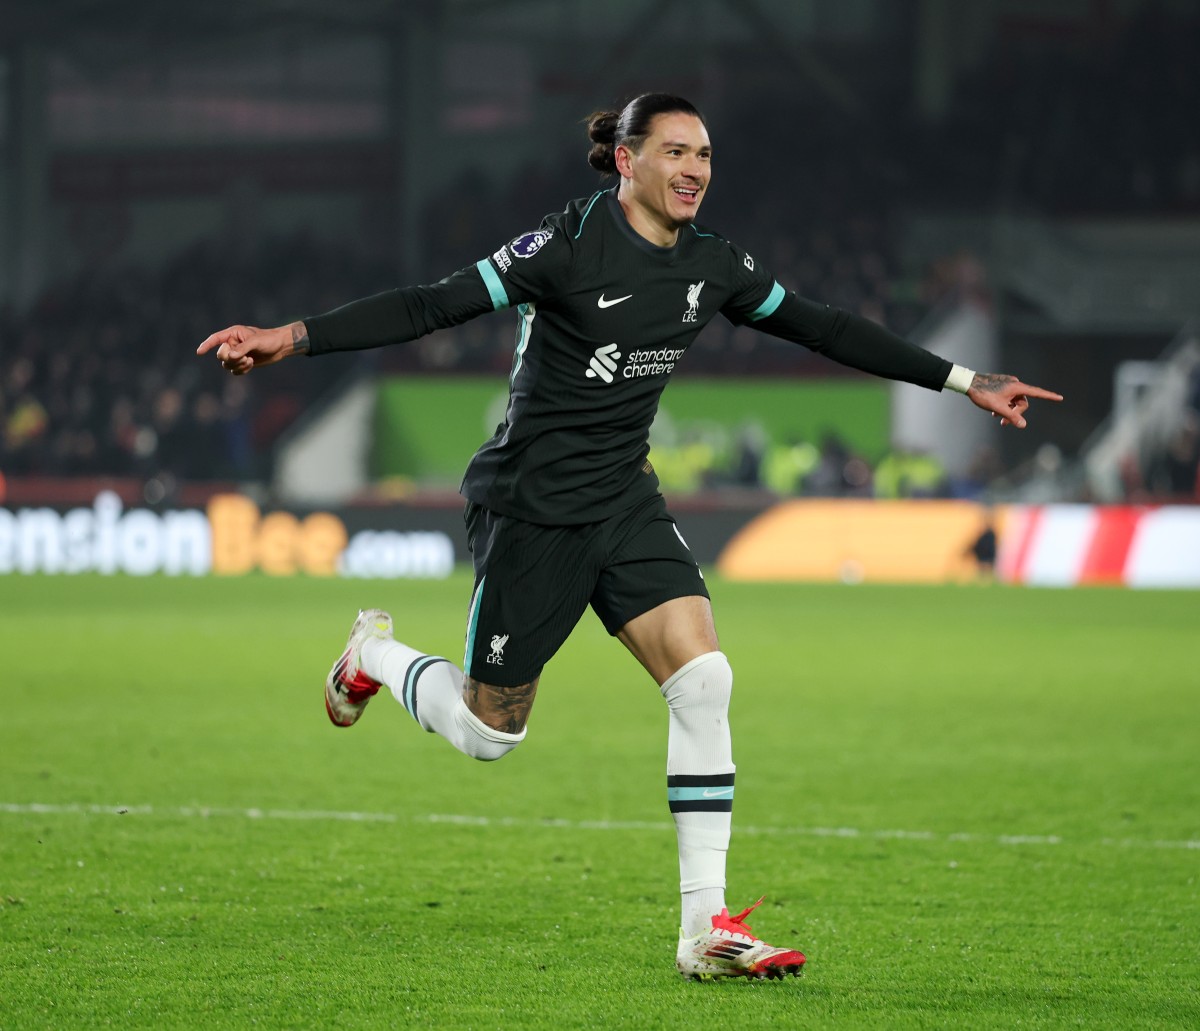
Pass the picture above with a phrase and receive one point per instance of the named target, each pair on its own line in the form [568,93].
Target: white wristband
[960,379]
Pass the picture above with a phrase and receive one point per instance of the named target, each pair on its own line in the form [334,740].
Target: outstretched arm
[1006,396]
[242,348]
[390,317]
[406,313]
[861,344]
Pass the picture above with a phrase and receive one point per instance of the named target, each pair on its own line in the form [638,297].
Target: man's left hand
[1006,396]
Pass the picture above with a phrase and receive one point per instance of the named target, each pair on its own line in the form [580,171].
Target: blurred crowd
[828,467]
[100,376]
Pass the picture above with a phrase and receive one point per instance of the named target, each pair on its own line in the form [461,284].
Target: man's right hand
[242,348]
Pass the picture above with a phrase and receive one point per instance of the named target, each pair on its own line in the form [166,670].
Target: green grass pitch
[972,807]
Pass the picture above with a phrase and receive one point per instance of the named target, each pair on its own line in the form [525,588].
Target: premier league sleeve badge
[528,244]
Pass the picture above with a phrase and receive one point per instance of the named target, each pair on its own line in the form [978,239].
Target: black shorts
[532,583]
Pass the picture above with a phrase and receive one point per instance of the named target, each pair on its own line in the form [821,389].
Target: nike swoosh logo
[718,794]
[602,303]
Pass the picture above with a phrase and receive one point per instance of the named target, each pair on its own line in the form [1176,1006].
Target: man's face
[671,171]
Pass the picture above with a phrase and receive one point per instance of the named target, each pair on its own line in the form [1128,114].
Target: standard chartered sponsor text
[657,362]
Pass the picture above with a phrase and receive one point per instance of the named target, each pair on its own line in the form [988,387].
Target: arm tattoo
[300,343]
[990,382]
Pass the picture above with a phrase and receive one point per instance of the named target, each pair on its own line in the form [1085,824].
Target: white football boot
[348,688]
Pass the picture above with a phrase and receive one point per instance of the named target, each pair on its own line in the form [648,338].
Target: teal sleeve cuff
[774,299]
[495,287]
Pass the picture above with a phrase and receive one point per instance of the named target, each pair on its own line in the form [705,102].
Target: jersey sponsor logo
[748,262]
[528,244]
[603,363]
[660,362]
[693,300]
[602,303]
[502,260]
[497,656]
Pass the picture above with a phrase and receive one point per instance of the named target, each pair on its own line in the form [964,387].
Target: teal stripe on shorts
[472,626]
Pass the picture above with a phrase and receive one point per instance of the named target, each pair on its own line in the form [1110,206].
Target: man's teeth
[686,192]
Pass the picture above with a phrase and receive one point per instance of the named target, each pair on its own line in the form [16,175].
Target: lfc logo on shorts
[693,300]
[497,656]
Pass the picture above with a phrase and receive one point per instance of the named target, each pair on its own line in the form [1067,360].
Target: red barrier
[1069,545]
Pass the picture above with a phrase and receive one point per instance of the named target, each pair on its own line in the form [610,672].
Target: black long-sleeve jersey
[604,318]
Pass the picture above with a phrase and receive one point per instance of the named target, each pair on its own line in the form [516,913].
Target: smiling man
[563,508]
[663,175]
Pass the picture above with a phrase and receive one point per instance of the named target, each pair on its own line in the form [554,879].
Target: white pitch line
[464,820]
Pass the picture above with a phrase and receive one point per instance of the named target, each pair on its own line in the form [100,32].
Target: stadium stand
[101,384]
[96,381]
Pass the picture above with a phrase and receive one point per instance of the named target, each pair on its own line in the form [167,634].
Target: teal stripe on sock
[412,675]
[414,671]
[410,683]
[698,794]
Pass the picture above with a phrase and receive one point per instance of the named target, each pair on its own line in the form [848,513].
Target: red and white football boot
[348,688]
[730,949]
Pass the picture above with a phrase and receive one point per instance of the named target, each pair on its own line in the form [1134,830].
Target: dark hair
[629,127]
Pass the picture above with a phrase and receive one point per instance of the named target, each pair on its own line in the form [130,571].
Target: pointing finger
[1028,391]
[216,339]
[230,335]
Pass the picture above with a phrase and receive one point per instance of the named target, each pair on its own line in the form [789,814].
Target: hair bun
[602,131]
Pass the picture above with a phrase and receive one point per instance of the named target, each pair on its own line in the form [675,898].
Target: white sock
[700,774]
[430,689]
[699,907]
